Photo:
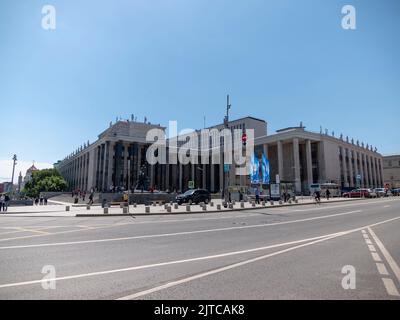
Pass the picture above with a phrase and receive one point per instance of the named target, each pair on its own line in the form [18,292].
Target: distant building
[28,176]
[296,156]
[391,171]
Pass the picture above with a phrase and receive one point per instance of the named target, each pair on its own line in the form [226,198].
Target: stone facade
[299,157]
[391,171]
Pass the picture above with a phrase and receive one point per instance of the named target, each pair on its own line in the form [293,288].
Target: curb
[80,215]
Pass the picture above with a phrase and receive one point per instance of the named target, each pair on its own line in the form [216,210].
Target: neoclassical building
[296,156]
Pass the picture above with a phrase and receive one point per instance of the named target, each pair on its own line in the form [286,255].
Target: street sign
[277,179]
[191,184]
[358,177]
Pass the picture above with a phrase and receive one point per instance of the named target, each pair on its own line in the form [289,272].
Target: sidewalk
[196,209]
[59,209]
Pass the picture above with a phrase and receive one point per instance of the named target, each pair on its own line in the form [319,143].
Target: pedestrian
[257,192]
[36,201]
[45,201]
[90,199]
[317,197]
[240,195]
[2,200]
[328,193]
[76,200]
[84,196]
[6,202]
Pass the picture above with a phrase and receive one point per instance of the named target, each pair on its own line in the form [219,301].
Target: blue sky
[283,61]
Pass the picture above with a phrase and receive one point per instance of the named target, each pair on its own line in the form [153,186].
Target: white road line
[363,231]
[233,253]
[175,233]
[376,257]
[218,270]
[322,238]
[392,263]
[205,274]
[382,269]
[371,248]
[368,241]
[365,236]
[386,206]
[390,287]
[358,203]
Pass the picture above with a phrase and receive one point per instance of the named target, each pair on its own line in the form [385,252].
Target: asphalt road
[275,253]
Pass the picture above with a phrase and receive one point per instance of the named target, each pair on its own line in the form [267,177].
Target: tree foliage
[45,180]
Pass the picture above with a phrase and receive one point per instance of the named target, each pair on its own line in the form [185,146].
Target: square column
[309,163]
[296,158]
[280,159]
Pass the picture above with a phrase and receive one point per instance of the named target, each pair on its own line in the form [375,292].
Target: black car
[194,196]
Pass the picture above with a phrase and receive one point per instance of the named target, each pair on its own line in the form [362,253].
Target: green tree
[45,180]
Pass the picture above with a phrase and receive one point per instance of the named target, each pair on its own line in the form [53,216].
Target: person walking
[317,197]
[90,199]
[2,199]
[257,192]
[6,202]
[328,193]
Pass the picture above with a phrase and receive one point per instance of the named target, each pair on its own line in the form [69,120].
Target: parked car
[194,196]
[360,193]
[380,192]
[396,192]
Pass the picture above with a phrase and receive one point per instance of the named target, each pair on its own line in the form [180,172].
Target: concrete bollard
[231,206]
[271,203]
[176,206]
[218,207]
[121,205]
[187,208]
[296,201]
[67,208]
[87,207]
[166,206]
[105,210]
[242,204]
[212,204]
[135,205]
[125,210]
[280,201]
[205,208]
[253,204]
[147,209]
[169,209]
[290,201]
[263,203]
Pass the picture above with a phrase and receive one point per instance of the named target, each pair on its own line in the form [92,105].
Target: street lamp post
[14,158]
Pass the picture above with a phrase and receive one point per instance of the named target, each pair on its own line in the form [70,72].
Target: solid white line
[227,254]
[363,231]
[392,263]
[390,287]
[218,270]
[371,248]
[376,257]
[175,283]
[365,236]
[175,233]
[386,206]
[194,259]
[368,241]
[382,269]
